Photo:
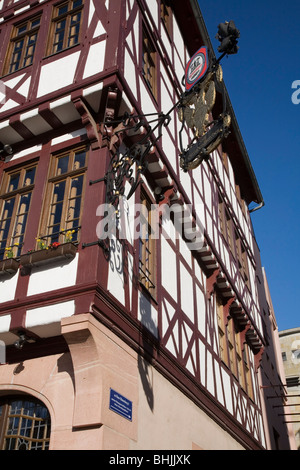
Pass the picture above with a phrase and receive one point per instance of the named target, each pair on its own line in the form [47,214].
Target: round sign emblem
[196,68]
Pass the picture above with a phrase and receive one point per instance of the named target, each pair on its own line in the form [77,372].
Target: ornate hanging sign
[196,68]
[195,110]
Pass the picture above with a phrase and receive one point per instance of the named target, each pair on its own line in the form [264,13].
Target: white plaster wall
[57,276]
[46,321]
[95,59]
[57,74]
[153,7]
[168,269]
[130,72]
[115,283]
[167,314]
[49,314]
[8,288]
[147,314]
[187,295]
[4,323]
[201,310]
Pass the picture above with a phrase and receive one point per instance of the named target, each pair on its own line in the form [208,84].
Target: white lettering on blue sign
[121,405]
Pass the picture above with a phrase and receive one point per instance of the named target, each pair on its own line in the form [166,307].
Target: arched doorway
[24,423]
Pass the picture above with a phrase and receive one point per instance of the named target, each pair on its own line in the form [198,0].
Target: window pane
[35,23]
[20,223]
[14,182]
[77,3]
[62,165]
[5,224]
[59,35]
[73,36]
[29,176]
[21,29]
[74,204]
[30,48]
[16,56]
[56,211]
[79,160]
[63,9]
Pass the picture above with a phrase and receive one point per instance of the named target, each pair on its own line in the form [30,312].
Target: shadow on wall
[148,340]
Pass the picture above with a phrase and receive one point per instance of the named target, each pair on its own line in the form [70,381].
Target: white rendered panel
[56,276]
[57,74]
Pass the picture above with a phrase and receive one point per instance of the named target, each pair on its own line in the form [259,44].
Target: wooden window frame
[226,224]
[147,248]
[52,47]
[223,351]
[234,354]
[55,178]
[23,188]
[24,36]
[20,438]
[232,340]
[247,371]
[149,63]
[242,259]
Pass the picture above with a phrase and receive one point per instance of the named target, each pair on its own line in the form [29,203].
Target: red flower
[55,244]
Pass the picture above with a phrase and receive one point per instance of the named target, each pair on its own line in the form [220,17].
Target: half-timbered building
[130,315]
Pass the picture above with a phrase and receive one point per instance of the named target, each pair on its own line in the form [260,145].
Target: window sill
[65,251]
[9,266]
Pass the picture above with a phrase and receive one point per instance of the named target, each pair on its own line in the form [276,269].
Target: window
[166,15]
[222,332]
[64,201]
[284,358]
[240,199]
[14,209]
[22,45]
[226,223]
[24,424]
[149,63]
[239,361]
[247,369]
[232,341]
[231,351]
[147,265]
[242,259]
[65,26]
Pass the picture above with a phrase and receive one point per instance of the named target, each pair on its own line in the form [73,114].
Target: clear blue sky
[259,82]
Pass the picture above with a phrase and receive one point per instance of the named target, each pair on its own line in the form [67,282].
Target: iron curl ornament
[131,142]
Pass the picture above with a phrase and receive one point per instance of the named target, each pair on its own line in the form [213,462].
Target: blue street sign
[121,405]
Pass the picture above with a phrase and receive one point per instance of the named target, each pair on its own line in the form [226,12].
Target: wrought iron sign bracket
[100,243]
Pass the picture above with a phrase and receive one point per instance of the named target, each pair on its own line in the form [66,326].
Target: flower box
[9,266]
[65,251]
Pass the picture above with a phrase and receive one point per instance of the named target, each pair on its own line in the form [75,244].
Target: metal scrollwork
[128,163]
[194,111]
